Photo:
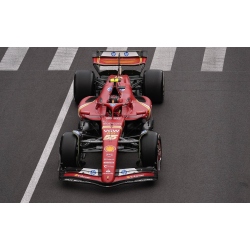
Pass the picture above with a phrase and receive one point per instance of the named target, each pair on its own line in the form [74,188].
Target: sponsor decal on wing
[89,171]
[127,171]
[122,54]
[135,176]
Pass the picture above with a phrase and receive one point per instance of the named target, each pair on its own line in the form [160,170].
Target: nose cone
[108,177]
[111,131]
[109,164]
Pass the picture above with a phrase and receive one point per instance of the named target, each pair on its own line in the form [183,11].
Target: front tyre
[150,150]
[68,150]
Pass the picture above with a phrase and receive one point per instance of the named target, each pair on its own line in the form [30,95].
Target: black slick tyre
[150,150]
[83,84]
[153,85]
[68,150]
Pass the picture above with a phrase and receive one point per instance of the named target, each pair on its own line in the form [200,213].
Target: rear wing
[119,58]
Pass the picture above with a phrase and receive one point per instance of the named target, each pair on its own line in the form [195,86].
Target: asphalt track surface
[204,123]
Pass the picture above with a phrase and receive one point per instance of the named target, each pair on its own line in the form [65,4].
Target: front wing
[123,176]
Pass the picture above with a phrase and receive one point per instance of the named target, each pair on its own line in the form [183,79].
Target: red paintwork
[131,61]
[113,117]
[117,178]
[131,108]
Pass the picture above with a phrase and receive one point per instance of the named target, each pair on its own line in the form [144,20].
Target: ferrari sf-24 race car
[115,111]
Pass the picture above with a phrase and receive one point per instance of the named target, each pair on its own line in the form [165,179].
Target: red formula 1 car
[115,110]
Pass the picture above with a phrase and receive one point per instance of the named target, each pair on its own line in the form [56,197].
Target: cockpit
[114,99]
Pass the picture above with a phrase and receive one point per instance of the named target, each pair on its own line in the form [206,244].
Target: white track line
[213,59]
[113,49]
[49,145]
[163,58]
[13,58]
[63,58]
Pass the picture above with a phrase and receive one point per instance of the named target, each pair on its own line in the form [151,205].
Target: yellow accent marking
[114,79]
[103,127]
[146,106]
[84,105]
[109,148]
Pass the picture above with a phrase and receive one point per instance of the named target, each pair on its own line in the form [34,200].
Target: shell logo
[109,148]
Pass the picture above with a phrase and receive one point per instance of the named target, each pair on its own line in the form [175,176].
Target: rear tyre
[83,84]
[68,150]
[151,152]
[153,85]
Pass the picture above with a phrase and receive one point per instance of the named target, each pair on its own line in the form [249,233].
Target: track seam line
[48,147]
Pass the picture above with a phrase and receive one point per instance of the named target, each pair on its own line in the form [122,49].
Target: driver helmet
[114,99]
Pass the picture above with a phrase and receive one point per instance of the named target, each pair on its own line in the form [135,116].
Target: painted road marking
[163,58]
[213,59]
[63,58]
[113,49]
[13,58]
[48,147]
